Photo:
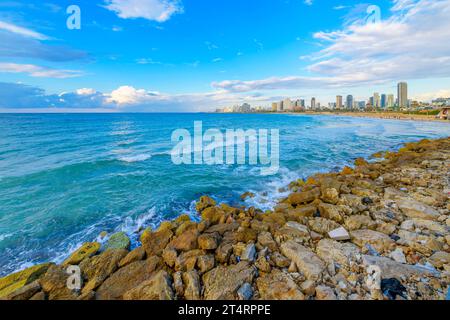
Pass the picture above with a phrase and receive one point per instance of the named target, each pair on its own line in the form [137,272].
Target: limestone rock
[333,251]
[415,209]
[398,255]
[118,240]
[378,240]
[222,283]
[169,256]
[249,253]
[54,284]
[135,255]
[357,222]
[87,250]
[205,263]
[158,287]
[439,259]
[339,234]
[192,287]
[155,242]
[186,241]
[187,260]
[204,202]
[304,197]
[278,285]
[325,293]
[22,278]
[306,260]
[330,212]
[322,226]
[209,241]
[26,292]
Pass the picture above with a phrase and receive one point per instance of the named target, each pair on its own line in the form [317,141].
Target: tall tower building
[274,107]
[376,100]
[402,94]
[313,103]
[287,104]
[383,101]
[390,101]
[349,102]
[338,102]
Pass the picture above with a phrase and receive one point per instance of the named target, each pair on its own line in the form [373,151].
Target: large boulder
[204,202]
[278,285]
[158,287]
[333,251]
[22,278]
[415,209]
[54,284]
[155,242]
[392,269]
[306,260]
[380,241]
[118,240]
[186,241]
[222,283]
[192,286]
[304,197]
[87,250]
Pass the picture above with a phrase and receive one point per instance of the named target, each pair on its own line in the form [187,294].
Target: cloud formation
[38,71]
[411,44]
[154,10]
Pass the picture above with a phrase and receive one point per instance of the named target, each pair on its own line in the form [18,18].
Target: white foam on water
[136,158]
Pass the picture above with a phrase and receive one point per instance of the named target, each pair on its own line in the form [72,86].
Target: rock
[392,288]
[245,292]
[247,195]
[431,225]
[192,287]
[245,235]
[391,269]
[339,234]
[155,242]
[278,285]
[333,251]
[128,278]
[263,265]
[331,212]
[330,195]
[158,287]
[178,283]
[209,241]
[223,228]
[301,212]
[206,263]
[213,215]
[22,278]
[292,230]
[98,268]
[135,255]
[378,240]
[308,288]
[407,225]
[186,241]
[265,240]
[306,260]
[398,255]
[304,197]
[415,209]
[54,284]
[357,222]
[325,293]
[204,202]
[187,260]
[279,260]
[249,253]
[26,292]
[118,240]
[223,252]
[185,226]
[439,259]
[169,256]
[87,250]
[40,296]
[222,283]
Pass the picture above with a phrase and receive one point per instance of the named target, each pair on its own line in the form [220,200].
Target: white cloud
[154,10]
[412,44]
[428,96]
[308,2]
[38,71]
[85,91]
[22,31]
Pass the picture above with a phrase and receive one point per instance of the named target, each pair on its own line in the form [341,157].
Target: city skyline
[183,56]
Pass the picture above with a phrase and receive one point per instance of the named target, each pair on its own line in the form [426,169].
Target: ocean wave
[136,158]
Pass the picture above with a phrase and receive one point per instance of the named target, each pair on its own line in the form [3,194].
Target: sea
[66,178]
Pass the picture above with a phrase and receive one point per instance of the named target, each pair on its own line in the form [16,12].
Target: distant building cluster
[378,101]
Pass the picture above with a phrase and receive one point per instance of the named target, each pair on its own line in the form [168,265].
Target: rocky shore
[379,230]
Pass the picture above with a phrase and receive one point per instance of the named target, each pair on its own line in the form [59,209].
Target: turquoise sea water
[66,178]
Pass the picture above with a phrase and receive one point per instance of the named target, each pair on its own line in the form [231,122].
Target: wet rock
[378,240]
[118,240]
[87,250]
[306,260]
[192,289]
[204,202]
[222,283]
[209,241]
[278,285]
[128,278]
[304,197]
[135,255]
[22,278]
[158,287]
[333,251]
[339,234]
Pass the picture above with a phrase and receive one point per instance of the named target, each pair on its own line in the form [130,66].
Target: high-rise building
[376,100]
[287,104]
[274,107]
[349,102]
[383,101]
[302,103]
[280,106]
[338,102]
[402,94]
[390,101]
[313,103]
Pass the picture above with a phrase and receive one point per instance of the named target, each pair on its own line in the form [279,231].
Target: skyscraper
[302,103]
[390,101]
[402,94]
[338,102]
[383,101]
[274,107]
[376,100]
[349,102]
[287,104]
[313,103]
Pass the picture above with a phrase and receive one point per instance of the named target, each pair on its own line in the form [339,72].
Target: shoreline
[316,244]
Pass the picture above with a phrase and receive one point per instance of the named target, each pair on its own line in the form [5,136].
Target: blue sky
[193,55]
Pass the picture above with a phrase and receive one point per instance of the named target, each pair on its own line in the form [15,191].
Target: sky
[200,55]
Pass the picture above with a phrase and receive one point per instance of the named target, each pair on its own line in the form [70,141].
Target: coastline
[316,244]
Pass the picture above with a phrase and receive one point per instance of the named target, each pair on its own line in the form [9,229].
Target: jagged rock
[357,222]
[278,285]
[204,202]
[398,255]
[40,296]
[304,197]
[301,212]
[187,260]
[223,228]
[222,283]
[223,252]
[205,263]
[213,215]
[246,235]
[339,234]
[118,240]
[439,259]
[54,284]
[186,241]
[279,260]
[135,255]
[128,278]
[292,230]
[331,212]
[263,265]
[26,292]
[169,256]
[209,241]
[22,278]
[158,287]
[325,293]
[322,226]
[378,240]
[245,292]
[265,240]
[415,209]
[308,287]
[330,195]
[155,242]
[192,287]
[98,268]
[306,260]
[178,283]
[249,254]
[87,250]
[333,251]
[431,225]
